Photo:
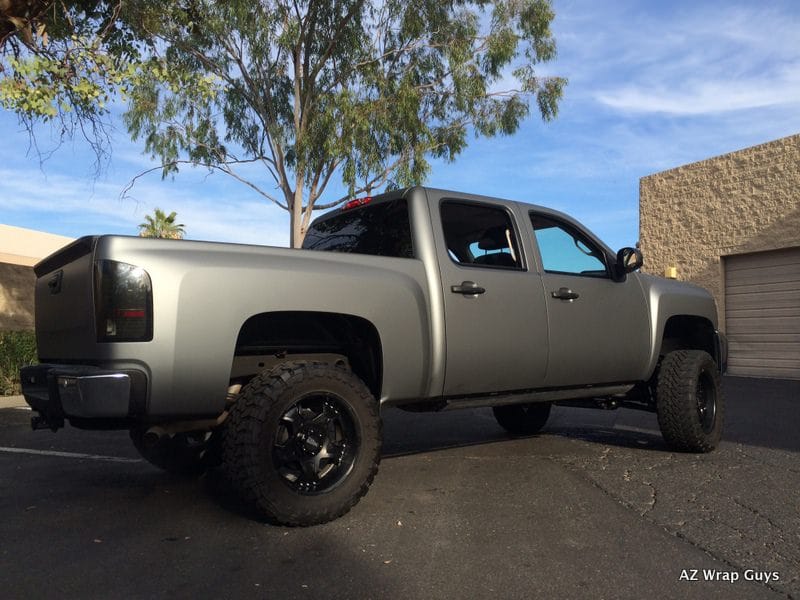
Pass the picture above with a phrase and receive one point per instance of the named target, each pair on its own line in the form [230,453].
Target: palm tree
[161,225]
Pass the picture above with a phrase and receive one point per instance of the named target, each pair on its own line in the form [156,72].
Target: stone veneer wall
[745,201]
[16,296]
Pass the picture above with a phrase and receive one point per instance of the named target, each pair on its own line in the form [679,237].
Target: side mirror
[628,260]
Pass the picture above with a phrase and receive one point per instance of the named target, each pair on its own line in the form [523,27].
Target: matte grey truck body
[453,316]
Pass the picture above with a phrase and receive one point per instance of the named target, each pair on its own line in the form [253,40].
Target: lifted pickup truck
[277,362]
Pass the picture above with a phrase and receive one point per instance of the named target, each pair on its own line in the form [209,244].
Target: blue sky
[652,85]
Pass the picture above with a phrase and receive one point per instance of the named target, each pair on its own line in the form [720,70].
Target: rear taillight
[123,300]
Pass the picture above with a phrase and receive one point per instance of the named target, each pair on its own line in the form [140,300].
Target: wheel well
[286,333]
[686,332]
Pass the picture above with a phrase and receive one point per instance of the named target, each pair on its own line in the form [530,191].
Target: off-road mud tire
[256,426]
[689,401]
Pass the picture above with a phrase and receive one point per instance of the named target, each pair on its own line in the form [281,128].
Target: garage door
[762,313]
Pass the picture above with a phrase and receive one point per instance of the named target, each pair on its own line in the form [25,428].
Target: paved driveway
[595,507]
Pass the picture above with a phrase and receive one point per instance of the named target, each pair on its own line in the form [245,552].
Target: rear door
[599,328]
[495,314]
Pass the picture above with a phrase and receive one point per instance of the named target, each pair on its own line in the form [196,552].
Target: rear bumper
[81,392]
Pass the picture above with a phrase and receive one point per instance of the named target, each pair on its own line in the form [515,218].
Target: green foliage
[43,87]
[17,349]
[64,62]
[162,225]
[309,89]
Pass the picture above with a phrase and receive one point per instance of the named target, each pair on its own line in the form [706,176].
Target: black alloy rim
[706,402]
[316,444]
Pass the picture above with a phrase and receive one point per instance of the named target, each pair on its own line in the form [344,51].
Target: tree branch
[340,29]
[225,168]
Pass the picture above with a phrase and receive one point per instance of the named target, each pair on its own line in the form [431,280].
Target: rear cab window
[379,228]
[480,235]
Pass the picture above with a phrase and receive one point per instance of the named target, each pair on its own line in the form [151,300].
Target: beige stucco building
[20,249]
[732,225]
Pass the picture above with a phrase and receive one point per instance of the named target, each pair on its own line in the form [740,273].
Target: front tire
[523,419]
[302,443]
[689,401]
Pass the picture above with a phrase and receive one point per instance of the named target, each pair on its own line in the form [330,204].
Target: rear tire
[523,419]
[689,401]
[302,443]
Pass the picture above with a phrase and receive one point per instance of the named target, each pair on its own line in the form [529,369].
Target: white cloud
[701,97]
[699,62]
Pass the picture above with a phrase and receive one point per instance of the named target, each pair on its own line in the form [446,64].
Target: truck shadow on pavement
[758,412]
[634,440]
[407,434]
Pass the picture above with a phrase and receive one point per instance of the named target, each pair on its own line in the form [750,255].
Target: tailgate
[65,321]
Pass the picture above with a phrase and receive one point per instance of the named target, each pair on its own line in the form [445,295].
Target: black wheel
[522,419]
[181,454]
[302,443]
[689,401]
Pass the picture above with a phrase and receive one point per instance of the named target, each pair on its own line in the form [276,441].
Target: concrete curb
[12,402]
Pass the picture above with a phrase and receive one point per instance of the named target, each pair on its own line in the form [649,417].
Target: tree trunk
[296,219]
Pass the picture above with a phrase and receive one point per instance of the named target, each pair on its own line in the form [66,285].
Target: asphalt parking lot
[594,507]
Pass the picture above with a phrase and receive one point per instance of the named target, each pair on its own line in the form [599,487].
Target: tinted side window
[480,235]
[381,229]
[565,250]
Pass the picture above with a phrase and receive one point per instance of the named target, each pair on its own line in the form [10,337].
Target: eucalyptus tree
[286,95]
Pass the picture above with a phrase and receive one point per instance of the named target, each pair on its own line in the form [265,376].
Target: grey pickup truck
[276,363]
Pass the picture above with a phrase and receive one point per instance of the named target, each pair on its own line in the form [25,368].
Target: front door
[495,314]
[599,327]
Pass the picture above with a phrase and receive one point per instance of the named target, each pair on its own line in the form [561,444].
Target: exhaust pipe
[158,432]
[153,436]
